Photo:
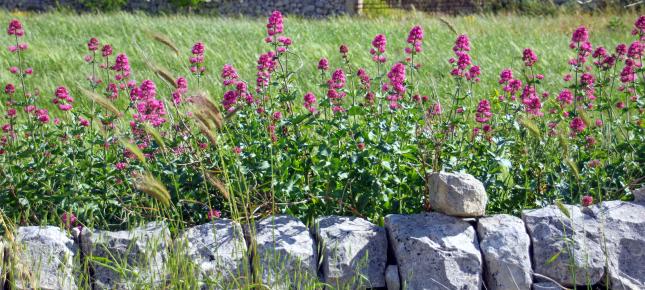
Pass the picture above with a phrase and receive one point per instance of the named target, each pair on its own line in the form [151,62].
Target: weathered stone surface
[45,259]
[392,279]
[623,228]
[504,244]
[354,252]
[639,195]
[435,251]
[457,194]
[219,251]
[546,286]
[286,251]
[572,242]
[141,251]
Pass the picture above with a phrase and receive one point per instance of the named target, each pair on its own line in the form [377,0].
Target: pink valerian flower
[462,43]
[122,67]
[213,214]
[63,99]
[628,73]
[42,115]
[237,150]
[435,110]
[283,44]
[310,102]
[529,57]
[344,50]
[378,49]
[462,65]
[181,87]
[366,81]
[229,75]
[120,165]
[336,84]
[15,28]
[266,66]
[635,50]
[483,112]
[7,128]
[83,122]
[93,44]
[149,109]
[505,76]
[277,116]
[577,125]
[587,79]
[106,50]
[639,26]
[11,113]
[415,39]
[29,71]
[531,101]
[197,59]
[581,34]
[69,219]
[565,97]
[587,200]
[14,69]
[323,64]
[396,85]
[275,24]
[9,89]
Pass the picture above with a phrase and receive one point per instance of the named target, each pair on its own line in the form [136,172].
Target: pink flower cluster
[310,102]
[266,66]
[577,125]
[149,109]
[529,57]
[483,116]
[15,28]
[181,87]
[121,67]
[323,64]
[511,85]
[62,99]
[463,66]
[396,85]
[334,90]
[378,49]
[415,39]
[197,59]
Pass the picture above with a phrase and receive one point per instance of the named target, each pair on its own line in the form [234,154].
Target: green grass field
[58,44]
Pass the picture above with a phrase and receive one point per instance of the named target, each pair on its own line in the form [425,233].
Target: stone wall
[549,248]
[309,8]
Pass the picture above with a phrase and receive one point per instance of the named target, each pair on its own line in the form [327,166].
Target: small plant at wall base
[120,147]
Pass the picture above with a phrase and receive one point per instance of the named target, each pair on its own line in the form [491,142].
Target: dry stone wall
[555,247]
[309,8]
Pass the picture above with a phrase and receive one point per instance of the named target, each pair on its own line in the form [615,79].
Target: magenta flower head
[483,112]
[379,44]
[581,34]
[10,89]
[15,28]
[505,76]
[69,219]
[565,97]
[587,200]
[106,50]
[323,64]
[213,214]
[344,50]
[275,24]
[415,38]
[122,67]
[229,75]
[93,44]
[462,43]
[309,102]
[577,125]
[529,57]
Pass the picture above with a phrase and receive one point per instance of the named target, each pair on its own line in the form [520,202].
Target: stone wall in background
[460,247]
[308,8]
